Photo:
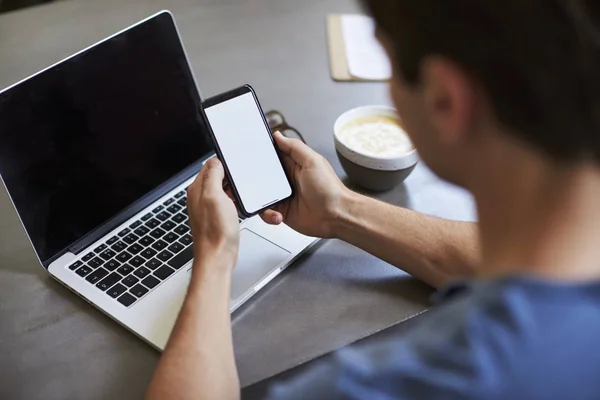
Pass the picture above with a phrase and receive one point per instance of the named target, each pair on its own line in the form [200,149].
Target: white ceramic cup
[371,172]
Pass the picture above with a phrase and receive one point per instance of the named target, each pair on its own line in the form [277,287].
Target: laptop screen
[88,137]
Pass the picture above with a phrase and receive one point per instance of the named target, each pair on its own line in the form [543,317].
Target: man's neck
[541,219]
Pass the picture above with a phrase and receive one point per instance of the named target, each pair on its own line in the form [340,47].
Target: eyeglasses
[277,123]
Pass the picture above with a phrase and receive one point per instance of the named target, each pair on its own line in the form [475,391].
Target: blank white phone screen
[249,153]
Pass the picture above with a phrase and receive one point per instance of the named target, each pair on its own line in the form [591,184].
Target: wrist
[215,248]
[211,268]
[224,260]
[218,259]
[209,279]
[346,215]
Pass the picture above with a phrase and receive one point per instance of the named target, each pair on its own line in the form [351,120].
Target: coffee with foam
[377,136]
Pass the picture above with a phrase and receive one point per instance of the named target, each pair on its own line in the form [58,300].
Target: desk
[54,345]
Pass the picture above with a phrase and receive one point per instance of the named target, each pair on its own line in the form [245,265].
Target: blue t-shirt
[512,338]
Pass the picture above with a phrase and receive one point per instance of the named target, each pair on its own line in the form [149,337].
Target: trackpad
[257,257]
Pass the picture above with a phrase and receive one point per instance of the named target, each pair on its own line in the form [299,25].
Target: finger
[197,183]
[202,172]
[212,176]
[272,217]
[294,148]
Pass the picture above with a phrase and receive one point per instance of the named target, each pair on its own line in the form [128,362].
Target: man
[503,98]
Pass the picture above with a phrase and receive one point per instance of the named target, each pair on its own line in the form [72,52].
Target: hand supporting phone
[245,146]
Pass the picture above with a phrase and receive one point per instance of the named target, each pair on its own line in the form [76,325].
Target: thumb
[213,176]
[272,217]
[294,148]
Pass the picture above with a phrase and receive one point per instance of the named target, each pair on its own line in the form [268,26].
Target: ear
[449,97]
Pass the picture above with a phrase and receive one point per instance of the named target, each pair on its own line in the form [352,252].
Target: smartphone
[246,147]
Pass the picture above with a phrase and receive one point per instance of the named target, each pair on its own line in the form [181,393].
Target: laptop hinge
[132,210]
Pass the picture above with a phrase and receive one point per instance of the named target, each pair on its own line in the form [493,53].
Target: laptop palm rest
[257,258]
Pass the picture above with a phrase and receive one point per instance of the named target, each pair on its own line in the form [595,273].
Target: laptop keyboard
[140,257]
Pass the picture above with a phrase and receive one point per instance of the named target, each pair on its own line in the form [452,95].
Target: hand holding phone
[246,148]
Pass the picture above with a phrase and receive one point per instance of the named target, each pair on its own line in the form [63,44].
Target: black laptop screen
[85,139]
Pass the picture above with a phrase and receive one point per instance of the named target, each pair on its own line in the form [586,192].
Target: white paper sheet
[366,58]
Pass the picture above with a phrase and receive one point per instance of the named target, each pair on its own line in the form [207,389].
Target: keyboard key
[182,258]
[146,217]
[180,194]
[126,299]
[182,202]
[153,264]
[153,223]
[187,239]
[109,281]
[157,233]
[112,240]
[182,229]
[163,216]
[146,241]
[75,265]
[123,257]
[141,231]
[130,280]
[184,211]
[168,202]
[119,246]
[178,218]
[176,248]
[83,271]
[100,248]
[135,248]
[174,209]
[170,237]
[164,272]
[142,272]
[116,290]
[95,262]
[159,245]
[168,225]
[125,269]
[124,232]
[87,257]
[164,255]
[187,223]
[112,265]
[131,238]
[138,290]
[148,253]
[136,261]
[158,209]
[150,282]
[135,224]
[107,254]
[95,276]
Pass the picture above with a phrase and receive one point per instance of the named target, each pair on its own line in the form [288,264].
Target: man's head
[472,73]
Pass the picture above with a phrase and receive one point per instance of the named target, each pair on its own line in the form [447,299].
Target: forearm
[198,361]
[432,249]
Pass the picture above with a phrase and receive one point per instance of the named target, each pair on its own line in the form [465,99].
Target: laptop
[96,153]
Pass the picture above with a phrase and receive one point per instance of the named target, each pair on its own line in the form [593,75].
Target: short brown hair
[539,61]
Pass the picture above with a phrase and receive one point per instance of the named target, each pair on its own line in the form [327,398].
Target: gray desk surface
[54,345]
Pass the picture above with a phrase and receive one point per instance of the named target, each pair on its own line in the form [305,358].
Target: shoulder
[441,357]
[501,339]
[489,340]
